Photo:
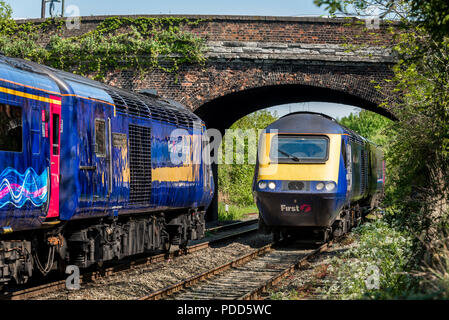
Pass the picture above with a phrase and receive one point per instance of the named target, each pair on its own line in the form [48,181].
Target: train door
[55,129]
[102,157]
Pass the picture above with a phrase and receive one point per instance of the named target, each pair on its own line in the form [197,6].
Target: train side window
[55,134]
[35,131]
[343,152]
[100,138]
[11,129]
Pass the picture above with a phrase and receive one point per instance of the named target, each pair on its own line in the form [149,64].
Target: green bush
[138,44]
[369,125]
[382,248]
[234,212]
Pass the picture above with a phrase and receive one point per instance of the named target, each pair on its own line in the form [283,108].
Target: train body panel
[24,150]
[310,168]
[92,182]
[102,172]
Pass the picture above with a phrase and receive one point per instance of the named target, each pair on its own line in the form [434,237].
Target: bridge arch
[220,113]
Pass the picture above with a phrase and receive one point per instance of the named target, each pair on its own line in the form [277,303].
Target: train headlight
[272,185]
[262,185]
[320,186]
[330,186]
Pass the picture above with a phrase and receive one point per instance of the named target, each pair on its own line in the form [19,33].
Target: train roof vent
[184,120]
[150,107]
[129,104]
[136,106]
[149,92]
[120,104]
[20,64]
[158,112]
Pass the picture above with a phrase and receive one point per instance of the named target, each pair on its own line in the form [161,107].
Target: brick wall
[249,53]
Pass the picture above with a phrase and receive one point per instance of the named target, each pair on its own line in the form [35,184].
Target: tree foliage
[369,125]
[418,152]
[137,44]
[235,180]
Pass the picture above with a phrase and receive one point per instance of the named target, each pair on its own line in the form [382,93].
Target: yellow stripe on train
[29,96]
[188,173]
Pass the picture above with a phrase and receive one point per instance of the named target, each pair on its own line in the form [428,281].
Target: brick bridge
[258,62]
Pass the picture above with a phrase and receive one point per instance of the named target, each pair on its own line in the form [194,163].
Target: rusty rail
[159,294]
[127,265]
[253,293]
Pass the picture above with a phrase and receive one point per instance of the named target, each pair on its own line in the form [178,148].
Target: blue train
[90,173]
[315,178]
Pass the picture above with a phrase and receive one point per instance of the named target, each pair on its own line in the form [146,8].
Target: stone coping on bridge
[268,29]
[278,38]
[296,51]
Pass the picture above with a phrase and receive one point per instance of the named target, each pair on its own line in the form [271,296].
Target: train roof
[304,122]
[307,122]
[128,102]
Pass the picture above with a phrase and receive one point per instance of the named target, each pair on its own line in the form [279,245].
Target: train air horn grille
[295,185]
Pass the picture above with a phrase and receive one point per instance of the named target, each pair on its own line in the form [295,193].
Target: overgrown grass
[434,273]
[377,268]
[234,212]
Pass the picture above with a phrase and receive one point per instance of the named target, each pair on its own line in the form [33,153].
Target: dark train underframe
[349,217]
[92,242]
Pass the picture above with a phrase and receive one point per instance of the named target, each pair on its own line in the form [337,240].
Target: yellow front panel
[306,172]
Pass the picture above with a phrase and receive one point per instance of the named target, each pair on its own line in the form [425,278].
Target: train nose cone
[297,210]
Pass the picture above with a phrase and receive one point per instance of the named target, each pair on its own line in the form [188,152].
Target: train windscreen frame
[300,149]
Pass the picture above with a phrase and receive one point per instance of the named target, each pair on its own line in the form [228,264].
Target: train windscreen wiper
[289,155]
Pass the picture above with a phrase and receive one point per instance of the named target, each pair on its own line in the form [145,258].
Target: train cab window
[55,134]
[100,138]
[11,128]
[291,149]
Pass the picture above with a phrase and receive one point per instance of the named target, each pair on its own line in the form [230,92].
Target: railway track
[215,235]
[245,278]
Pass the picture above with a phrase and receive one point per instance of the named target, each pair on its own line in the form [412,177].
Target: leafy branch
[117,43]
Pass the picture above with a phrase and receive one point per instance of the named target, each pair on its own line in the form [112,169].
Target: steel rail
[232,225]
[126,265]
[253,294]
[167,291]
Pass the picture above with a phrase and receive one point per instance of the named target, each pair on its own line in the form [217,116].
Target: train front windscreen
[299,148]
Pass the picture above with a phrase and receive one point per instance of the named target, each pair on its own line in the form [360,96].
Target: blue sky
[31,9]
